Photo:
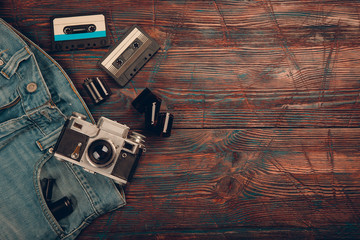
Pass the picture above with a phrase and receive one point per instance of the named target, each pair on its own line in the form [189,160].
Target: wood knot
[228,187]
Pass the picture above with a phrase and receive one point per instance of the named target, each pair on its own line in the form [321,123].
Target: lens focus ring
[101,153]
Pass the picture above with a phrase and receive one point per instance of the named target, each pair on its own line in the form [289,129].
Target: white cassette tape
[129,55]
[79,32]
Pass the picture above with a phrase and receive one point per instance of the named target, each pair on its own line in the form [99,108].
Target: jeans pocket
[21,215]
[41,192]
[16,99]
[89,195]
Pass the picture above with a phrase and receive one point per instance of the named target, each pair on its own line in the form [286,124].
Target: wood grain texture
[265,94]
[242,180]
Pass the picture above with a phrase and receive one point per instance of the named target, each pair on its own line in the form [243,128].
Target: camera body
[106,148]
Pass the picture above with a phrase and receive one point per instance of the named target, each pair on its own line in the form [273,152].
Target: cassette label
[129,55]
[76,32]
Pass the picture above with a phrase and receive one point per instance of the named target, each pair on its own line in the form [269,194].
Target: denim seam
[96,213]
[81,226]
[10,121]
[36,181]
[13,102]
[40,146]
[121,195]
[42,131]
[3,73]
[58,109]
[48,95]
[41,76]
[47,103]
[87,222]
[37,126]
[3,51]
[12,65]
[23,129]
[23,107]
[85,186]
[19,92]
[49,140]
[34,110]
[12,29]
[27,113]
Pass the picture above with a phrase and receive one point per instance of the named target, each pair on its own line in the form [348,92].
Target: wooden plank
[243,233]
[226,179]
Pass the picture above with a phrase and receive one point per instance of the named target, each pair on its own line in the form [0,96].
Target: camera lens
[100,152]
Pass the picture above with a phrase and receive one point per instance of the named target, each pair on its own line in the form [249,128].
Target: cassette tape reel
[129,55]
[79,32]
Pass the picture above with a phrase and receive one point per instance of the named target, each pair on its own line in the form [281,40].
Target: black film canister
[151,115]
[49,189]
[61,208]
[145,98]
[97,89]
[164,124]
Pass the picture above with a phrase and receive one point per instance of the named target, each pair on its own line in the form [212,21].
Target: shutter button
[1,62]
[31,87]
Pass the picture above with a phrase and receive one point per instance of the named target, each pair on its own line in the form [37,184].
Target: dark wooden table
[265,96]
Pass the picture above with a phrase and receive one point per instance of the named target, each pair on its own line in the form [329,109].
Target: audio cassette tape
[79,32]
[129,55]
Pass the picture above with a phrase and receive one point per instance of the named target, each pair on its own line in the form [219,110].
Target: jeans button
[1,62]
[31,87]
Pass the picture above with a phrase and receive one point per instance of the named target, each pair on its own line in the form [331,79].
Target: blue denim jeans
[36,96]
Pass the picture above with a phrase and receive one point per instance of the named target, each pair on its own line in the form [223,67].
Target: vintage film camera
[106,148]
